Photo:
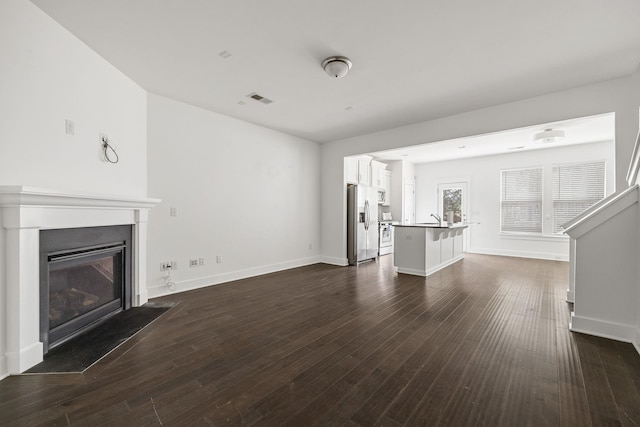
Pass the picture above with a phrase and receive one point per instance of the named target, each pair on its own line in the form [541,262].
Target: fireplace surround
[25,212]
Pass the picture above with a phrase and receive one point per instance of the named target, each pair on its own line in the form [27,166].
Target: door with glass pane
[452,201]
[452,204]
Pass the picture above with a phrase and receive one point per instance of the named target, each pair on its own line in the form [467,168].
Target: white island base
[422,250]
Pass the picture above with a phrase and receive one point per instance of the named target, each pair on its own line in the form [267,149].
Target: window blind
[576,187]
[521,201]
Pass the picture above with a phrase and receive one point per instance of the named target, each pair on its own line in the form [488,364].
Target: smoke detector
[548,136]
[337,66]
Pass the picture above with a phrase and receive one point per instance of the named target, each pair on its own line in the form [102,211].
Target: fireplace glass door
[82,283]
[85,277]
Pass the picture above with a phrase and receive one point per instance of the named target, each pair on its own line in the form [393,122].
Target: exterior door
[452,204]
[452,200]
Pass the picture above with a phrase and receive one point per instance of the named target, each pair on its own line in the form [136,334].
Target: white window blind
[575,188]
[521,201]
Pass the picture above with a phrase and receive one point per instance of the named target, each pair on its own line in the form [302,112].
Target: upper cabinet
[387,188]
[351,170]
[364,170]
[378,170]
[358,170]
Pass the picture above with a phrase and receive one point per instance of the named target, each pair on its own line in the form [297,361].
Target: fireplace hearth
[85,277]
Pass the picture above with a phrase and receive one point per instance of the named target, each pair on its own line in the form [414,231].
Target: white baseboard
[439,267]
[201,282]
[601,328]
[412,271]
[18,362]
[571,296]
[4,368]
[520,254]
[636,340]
[142,298]
[342,262]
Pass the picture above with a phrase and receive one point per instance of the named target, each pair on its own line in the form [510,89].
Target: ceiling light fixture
[337,66]
[548,136]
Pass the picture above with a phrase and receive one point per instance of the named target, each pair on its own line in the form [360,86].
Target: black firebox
[85,277]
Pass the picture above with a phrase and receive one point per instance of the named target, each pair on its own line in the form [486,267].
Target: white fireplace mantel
[26,211]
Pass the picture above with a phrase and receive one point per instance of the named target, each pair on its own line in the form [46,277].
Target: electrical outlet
[70,127]
[200,261]
[193,263]
[164,266]
[310,246]
[218,259]
[173,211]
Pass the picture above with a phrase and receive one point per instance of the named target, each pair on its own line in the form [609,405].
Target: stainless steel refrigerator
[362,223]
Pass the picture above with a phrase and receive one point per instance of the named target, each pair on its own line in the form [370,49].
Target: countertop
[433,225]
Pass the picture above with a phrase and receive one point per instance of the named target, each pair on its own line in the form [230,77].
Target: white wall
[4,367]
[47,76]
[408,177]
[243,192]
[396,188]
[483,195]
[607,286]
[620,96]
[636,89]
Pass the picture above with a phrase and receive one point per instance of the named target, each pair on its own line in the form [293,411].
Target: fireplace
[25,213]
[85,277]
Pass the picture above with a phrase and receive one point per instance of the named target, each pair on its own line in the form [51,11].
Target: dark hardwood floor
[483,342]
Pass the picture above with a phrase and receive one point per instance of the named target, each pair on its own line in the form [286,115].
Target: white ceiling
[579,131]
[413,60]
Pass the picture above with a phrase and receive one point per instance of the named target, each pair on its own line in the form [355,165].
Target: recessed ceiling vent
[259,98]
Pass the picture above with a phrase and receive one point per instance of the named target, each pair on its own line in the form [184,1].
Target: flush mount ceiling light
[337,66]
[548,136]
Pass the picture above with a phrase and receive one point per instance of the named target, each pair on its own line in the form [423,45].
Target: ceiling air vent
[259,98]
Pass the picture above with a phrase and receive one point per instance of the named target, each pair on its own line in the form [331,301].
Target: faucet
[437,217]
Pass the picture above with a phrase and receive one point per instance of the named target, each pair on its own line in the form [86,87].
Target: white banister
[634,165]
[600,212]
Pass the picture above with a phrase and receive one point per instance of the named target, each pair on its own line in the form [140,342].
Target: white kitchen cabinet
[351,169]
[387,188]
[378,170]
[358,170]
[364,170]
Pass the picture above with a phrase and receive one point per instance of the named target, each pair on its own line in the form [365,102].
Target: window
[521,201]
[576,187]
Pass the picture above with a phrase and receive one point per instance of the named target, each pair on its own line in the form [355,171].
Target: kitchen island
[423,249]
